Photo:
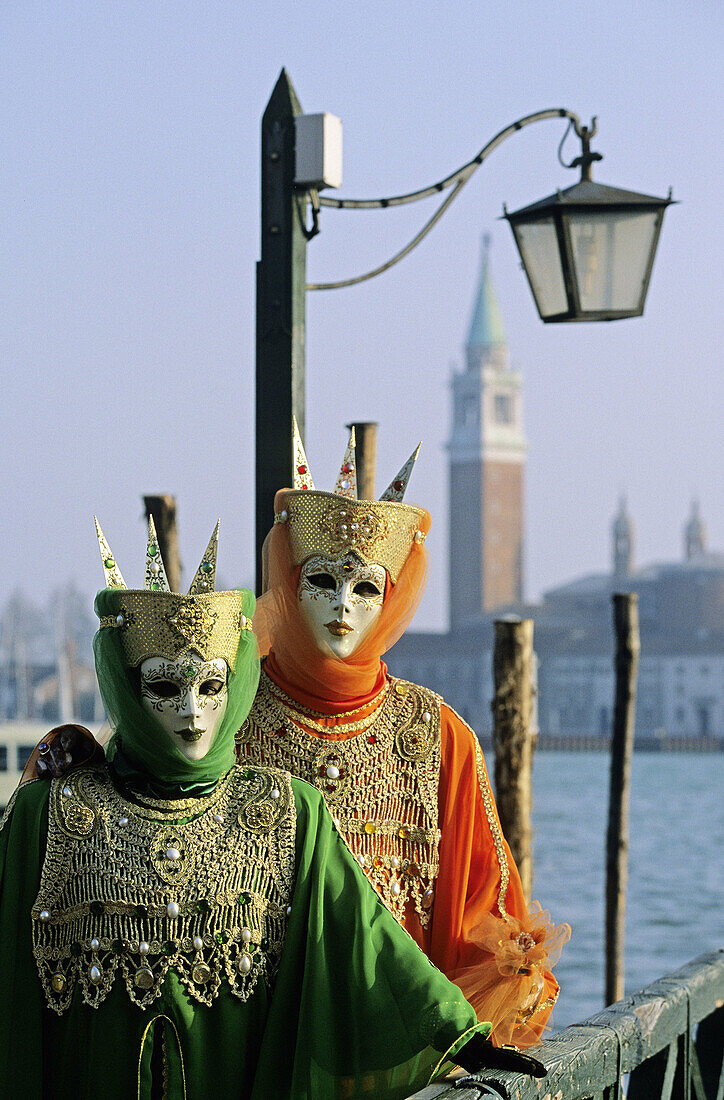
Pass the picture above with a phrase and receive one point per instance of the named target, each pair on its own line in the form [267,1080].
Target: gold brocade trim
[490,812]
[381,785]
[133,891]
[148,1027]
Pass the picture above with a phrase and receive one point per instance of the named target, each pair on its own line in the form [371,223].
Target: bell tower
[486,459]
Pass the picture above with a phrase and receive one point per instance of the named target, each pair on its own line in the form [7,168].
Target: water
[675,901]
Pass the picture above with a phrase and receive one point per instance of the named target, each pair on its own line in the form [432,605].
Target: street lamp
[588,251]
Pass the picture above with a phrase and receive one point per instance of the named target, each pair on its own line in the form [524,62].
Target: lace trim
[381,786]
[133,892]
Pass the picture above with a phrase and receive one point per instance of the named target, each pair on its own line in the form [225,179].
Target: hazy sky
[129,205]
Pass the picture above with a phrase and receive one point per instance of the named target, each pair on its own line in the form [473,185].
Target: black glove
[479,1054]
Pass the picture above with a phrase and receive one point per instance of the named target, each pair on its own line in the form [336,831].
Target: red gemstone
[301,469]
[397,485]
[372,739]
[304,486]
[346,468]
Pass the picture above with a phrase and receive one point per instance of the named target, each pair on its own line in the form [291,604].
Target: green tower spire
[486,327]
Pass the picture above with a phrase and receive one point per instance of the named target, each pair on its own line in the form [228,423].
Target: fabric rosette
[513,981]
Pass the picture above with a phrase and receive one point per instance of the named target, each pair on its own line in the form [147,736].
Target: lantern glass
[538,246]
[611,254]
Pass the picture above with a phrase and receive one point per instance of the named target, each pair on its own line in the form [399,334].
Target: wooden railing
[667,1040]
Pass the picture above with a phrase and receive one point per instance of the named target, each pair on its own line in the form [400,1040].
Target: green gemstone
[203,906]
[109,563]
[76,949]
[152,550]
[222,937]
[117,947]
[168,947]
[207,567]
[190,672]
[155,586]
[142,911]
[244,898]
[248,775]
[96,908]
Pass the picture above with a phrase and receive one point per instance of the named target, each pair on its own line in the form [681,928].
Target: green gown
[355,1008]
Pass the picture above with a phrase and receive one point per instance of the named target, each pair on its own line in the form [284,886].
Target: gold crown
[155,622]
[380,531]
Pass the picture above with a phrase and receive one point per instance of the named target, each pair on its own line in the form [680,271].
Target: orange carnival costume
[403,775]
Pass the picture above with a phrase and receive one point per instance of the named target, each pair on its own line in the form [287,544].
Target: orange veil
[282,632]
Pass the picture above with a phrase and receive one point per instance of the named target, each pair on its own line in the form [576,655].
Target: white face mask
[340,599]
[187,698]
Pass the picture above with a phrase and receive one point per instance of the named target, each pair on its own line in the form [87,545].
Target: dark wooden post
[628,645]
[281,277]
[365,432]
[163,510]
[513,739]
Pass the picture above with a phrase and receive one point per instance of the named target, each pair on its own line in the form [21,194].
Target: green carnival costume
[184,928]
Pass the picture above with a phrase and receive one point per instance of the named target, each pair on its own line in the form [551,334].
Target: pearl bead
[204,584]
[427,717]
[361,860]
[218,818]
[243,622]
[155,568]
[427,898]
[246,935]
[332,772]
[172,909]
[95,975]
[45,915]
[419,536]
[123,821]
[173,854]
[345,484]
[284,516]
[244,964]
[289,910]
[120,620]
[198,943]
[67,792]
[94,944]
[143,948]
[395,889]
[275,793]
[394,861]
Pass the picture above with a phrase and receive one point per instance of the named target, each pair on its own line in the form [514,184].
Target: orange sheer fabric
[279,624]
[467,937]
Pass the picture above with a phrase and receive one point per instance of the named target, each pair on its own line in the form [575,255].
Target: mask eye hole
[211,687]
[164,689]
[322,580]
[368,589]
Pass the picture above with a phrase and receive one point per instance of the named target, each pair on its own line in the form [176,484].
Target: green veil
[138,739]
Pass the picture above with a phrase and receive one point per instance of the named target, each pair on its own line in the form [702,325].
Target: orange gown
[479,931]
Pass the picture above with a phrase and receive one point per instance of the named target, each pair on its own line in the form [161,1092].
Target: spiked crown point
[205,576]
[113,575]
[396,489]
[155,579]
[302,475]
[346,484]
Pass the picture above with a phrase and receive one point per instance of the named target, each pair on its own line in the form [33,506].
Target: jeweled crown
[156,622]
[381,531]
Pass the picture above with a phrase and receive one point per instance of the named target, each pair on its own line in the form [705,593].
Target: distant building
[486,460]
[681,604]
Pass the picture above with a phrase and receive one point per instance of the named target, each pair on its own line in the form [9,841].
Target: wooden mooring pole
[163,510]
[513,739]
[628,645]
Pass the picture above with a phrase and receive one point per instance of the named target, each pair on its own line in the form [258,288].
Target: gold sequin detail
[200,886]
[164,624]
[380,531]
[382,789]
